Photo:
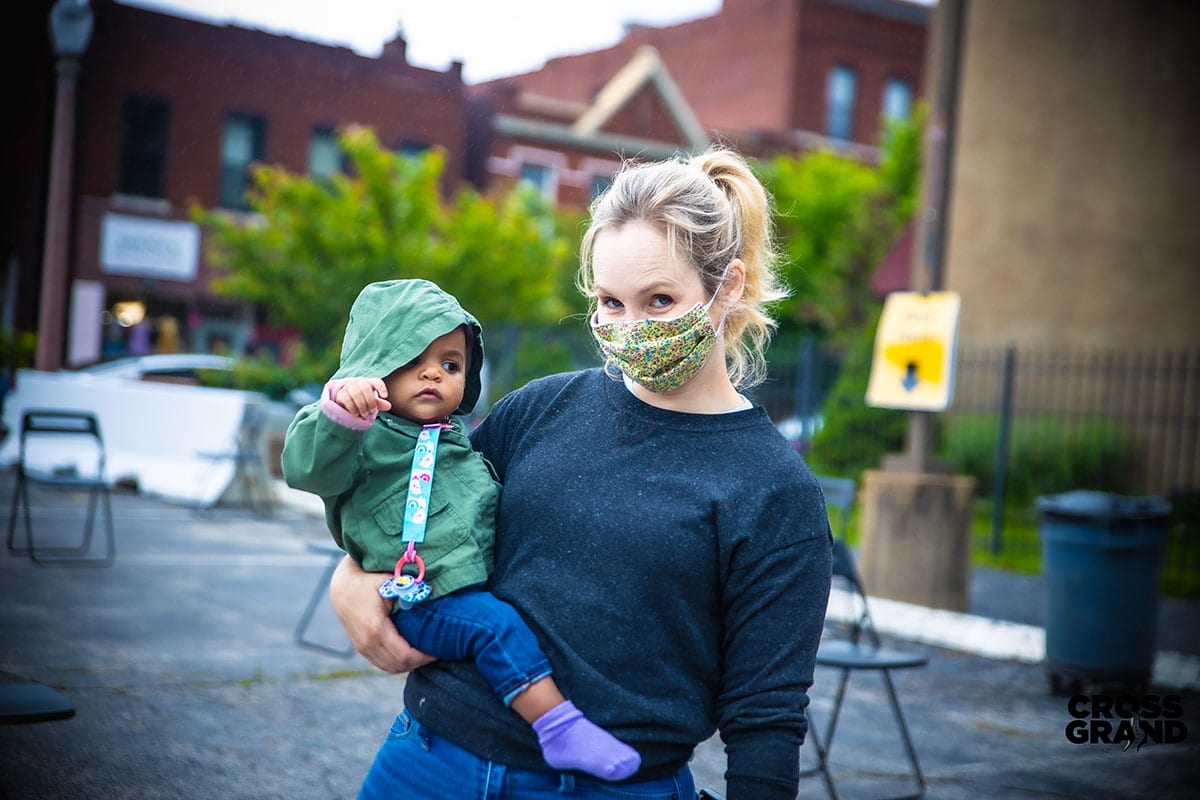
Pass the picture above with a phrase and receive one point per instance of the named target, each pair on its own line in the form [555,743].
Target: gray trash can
[1102,557]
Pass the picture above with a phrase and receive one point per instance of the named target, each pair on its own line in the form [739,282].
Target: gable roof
[645,69]
[592,125]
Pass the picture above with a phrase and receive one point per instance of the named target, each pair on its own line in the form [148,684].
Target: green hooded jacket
[362,474]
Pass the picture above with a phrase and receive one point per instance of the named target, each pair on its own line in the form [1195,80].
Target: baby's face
[430,387]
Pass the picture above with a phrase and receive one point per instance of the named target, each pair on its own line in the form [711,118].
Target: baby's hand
[362,397]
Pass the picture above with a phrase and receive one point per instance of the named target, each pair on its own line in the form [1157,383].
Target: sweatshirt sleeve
[776,592]
[320,450]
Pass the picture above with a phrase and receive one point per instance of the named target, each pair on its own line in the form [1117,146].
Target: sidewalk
[187,684]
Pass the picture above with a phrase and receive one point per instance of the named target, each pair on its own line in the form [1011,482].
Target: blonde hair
[712,209]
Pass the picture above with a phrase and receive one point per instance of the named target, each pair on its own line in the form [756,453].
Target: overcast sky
[491,37]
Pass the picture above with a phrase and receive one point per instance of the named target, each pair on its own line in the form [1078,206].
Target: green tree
[836,218]
[312,244]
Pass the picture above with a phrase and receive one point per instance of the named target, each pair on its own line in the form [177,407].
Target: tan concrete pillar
[916,537]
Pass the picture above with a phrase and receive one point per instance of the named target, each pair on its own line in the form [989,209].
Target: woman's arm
[355,598]
[776,591]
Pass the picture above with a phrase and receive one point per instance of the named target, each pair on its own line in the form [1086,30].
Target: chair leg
[831,728]
[305,620]
[922,785]
[68,556]
[836,711]
[12,515]
[822,761]
[112,533]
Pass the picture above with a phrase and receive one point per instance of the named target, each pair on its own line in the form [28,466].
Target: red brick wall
[647,116]
[205,71]
[877,48]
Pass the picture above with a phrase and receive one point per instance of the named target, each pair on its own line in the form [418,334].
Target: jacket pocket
[445,530]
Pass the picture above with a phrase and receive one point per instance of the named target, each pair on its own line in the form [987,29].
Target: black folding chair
[859,649]
[335,554]
[37,423]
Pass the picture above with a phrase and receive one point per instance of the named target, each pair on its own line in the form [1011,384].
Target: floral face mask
[660,354]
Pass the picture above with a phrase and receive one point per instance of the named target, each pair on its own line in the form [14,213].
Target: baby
[404,491]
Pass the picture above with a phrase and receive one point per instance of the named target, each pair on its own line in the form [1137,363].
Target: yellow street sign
[913,363]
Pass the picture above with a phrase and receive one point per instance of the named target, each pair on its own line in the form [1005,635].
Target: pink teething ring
[411,557]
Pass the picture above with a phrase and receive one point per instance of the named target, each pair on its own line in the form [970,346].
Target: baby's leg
[569,740]
[473,624]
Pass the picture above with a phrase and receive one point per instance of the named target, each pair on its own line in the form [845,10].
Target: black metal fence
[1032,422]
[1149,400]
[1126,422]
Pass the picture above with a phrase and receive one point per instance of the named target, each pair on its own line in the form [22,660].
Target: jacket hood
[392,322]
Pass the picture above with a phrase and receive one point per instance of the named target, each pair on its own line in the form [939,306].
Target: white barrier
[156,434]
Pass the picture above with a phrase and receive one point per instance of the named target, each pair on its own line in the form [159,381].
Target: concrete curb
[990,638]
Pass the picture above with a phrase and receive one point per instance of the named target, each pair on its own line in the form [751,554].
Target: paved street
[180,662]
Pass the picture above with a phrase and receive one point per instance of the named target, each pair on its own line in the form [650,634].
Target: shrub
[854,436]
[1046,456]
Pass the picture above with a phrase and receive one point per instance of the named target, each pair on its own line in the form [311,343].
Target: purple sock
[570,740]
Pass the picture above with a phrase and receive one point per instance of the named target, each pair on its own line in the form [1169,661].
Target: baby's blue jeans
[473,625]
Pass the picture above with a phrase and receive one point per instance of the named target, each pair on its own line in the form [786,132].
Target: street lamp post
[70,31]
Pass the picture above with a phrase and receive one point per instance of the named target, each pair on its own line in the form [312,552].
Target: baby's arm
[320,452]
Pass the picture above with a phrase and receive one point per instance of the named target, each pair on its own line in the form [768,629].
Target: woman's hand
[355,598]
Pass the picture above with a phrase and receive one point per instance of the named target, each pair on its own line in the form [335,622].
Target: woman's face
[635,276]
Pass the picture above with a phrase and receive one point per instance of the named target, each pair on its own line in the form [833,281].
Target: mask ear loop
[711,300]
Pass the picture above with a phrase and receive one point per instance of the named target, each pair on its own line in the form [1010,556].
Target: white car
[166,367]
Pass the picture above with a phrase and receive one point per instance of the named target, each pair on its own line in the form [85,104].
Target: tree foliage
[312,244]
[836,219]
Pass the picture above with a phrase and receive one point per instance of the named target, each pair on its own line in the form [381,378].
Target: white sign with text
[149,248]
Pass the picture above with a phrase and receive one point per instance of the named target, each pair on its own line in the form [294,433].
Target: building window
[241,145]
[144,123]
[411,148]
[324,154]
[539,175]
[897,100]
[840,89]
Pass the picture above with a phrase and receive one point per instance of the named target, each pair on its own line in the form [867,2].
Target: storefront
[148,293]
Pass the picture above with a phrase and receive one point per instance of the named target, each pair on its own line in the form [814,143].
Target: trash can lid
[1103,506]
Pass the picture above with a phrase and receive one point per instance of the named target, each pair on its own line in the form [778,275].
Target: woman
[666,545]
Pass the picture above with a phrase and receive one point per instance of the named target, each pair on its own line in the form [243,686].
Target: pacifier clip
[404,588]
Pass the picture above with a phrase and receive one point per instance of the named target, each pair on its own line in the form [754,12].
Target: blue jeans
[413,762]
[472,625]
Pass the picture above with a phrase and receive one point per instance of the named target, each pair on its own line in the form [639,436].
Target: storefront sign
[149,248]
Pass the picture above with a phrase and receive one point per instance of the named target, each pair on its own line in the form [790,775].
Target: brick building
[763,75]
[171,112]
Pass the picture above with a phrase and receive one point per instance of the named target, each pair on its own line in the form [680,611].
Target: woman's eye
[610,302]
[661,301]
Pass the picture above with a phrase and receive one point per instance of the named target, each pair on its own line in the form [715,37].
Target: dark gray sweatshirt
[675,568]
